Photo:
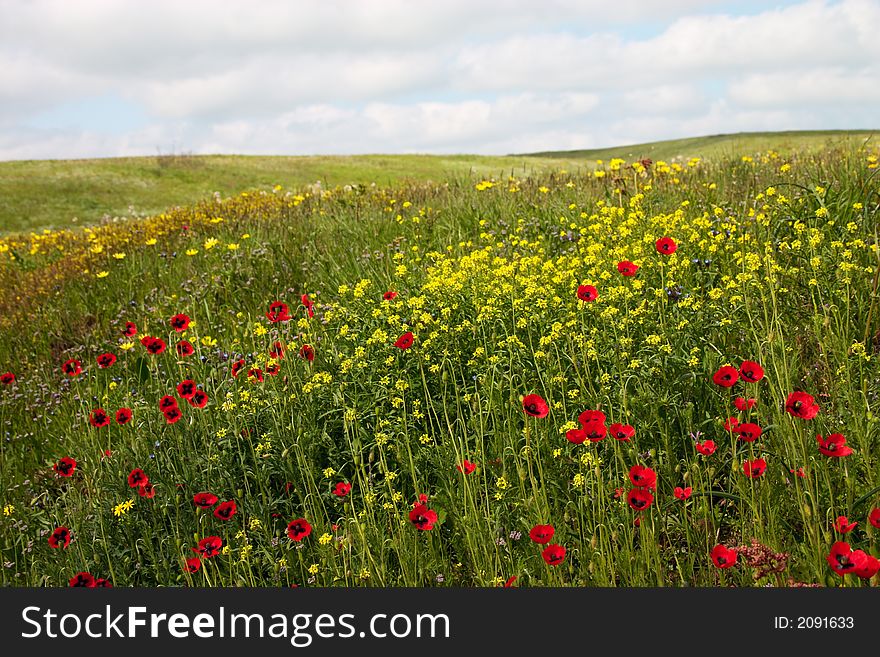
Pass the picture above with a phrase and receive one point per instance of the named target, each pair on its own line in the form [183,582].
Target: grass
[454,463]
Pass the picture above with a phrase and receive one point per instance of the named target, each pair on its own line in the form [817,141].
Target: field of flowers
[650,374]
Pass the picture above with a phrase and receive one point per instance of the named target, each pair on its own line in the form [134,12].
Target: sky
[101,78]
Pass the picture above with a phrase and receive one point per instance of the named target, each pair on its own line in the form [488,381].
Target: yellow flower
[8,510]
[122,508]
[313,569]
[191,252]
[102,274]
[325,538]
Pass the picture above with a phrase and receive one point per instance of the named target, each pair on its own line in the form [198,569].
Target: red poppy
[666,246]
[99,418]
[106,360]
[576,436]
[277,350]
[843,525]
[86,580]
[130,329]
[834,445]
[724,557]
[60,538]
[307,352]
[731,424]
[405,341]
[535,406]
[595,431]
[209,547]
[726,376]
[542,534]
[65,467]
[643,477]
[310,307]
[388,296]
[801,405]
[137,477]
[199,399]
[7,378]
[706,448]
[843,559]
[226,510]
[72,367]
[205,500]
[278,312]
[627,268]
[587,293]
[179,322]
[172,415]
[185,348]
[298,529]
[422,517]
[743,404]
[466,467]
[869,569]
[553,554]
[155,346]
[192,565]
[682,493]
[186,388]
[754,468]
[421,499]
[509,583]
[238,366]
[167,402]
[273,370]
[639,498]
[255,374]
[749,432]
[799,472]
[341,489]
[101,583]
[622,432]
[874,517]
[591,416]
[751,372]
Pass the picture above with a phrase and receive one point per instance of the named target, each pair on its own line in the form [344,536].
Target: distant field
[61,193]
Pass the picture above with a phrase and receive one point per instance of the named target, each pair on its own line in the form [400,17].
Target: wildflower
[192,564]
[874,517]
[643,477]
[843,559]
[466,467]
[306,352]
[137,477]
[122,508]
[682,493]
[7,378]
[553,554]
[86,580]
[205,500]
[731,424]
[754,468]
[167,402]
[726,376]
[209,547]
[622,432]
[627,268]
[185,348]
[65,467]
[587,293]
[748,432]
[130,330]
[105,360]
[724,557]
[99,418]
[186,388]
[298,529]
[801,405]
[751,372]
[199,399]
[542,534]
[277,350]
[389,296]
[405,341]
[422,517]
[342,489]
[278,312]
[743,404]
[535,406]
[179,322]
[226,510]
[706,448]
[843,525]
[153,345]
[325,538]
[639,498]
[60,538]
[666,246]
[834,445]
[172,415]
[72,367]
[576,436]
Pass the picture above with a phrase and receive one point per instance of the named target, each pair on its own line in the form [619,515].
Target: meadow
[638,373]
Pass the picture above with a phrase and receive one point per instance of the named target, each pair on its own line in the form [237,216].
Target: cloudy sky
[90,78]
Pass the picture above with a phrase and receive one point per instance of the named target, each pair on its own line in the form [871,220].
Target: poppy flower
[388,296]
[72,367]
[834,445]
[60,538]
[869,569]
[576,436]
[226,510]
[7,378]
[147,491]
[666,246]
[509,583]
[192,565]
[167,402]
[751,372]
[874,517]
[799,472]
[172,415]
[682,493]
[186,388]
[405,341]
[749,432]
[86,580]
[65,467]
[421,499]
[643,476]
[199,399]
[137,477]
[726,376]
[310,307]
[422,517]
[341,489]
[542,534]
[101,583]
[298,529]
[466,467]
[130,330]
[155,346]
[706,448]
[843,525]
[179,322]
[743,404]
[639,498]
[99,418]
[843,559]
[591,416]
[595,431]
[278,312]
[627,268]
[185,348]
[587,293]
[622,432]
[276,351]
[273,370]
[105,360]
[209,547]
[535,406]
[307,352]
[553,554]
[731,424]
[238,366]
[724,557]
[255,374]
[801,405]
[754,468]
[205,500]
